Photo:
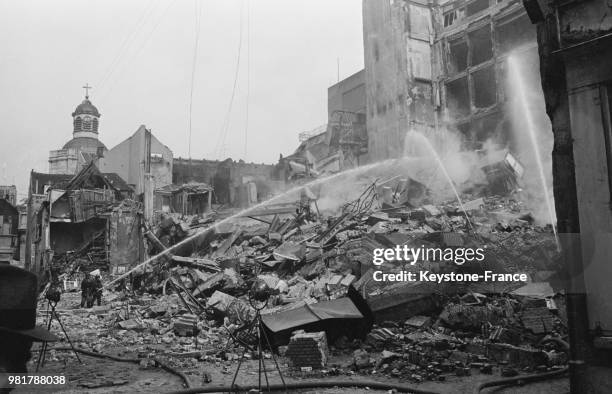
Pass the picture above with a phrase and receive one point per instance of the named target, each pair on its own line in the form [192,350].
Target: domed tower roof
[86,108]
[86,118]
[85,144]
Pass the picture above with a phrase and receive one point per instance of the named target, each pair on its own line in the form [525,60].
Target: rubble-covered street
[326,318]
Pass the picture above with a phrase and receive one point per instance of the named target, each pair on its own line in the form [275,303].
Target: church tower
[84,146]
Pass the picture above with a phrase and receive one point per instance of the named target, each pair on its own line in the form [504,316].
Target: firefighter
[86,291]
[97,290]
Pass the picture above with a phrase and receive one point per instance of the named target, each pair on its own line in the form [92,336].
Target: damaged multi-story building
[235,183]
[432,65]
[85,214]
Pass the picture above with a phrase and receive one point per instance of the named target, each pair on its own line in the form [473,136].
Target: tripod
[257,325]
[51,314]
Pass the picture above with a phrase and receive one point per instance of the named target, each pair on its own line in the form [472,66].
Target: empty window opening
[515,33]
[457,97]
[458,54]
[476,6]
[450,18]
[481,45]
[485,87]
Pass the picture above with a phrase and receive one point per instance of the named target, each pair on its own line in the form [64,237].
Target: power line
[225,127]
[127,42]
[146,41]
[198,23]
[248,89]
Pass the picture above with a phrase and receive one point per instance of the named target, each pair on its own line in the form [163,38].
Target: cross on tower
[87,87]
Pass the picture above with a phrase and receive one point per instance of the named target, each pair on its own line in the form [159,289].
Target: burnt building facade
[432,65]
[228,178]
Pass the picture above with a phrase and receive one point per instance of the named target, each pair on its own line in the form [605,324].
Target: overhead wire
[122,48]
[146,40]
[225,126]
[126,44]
[198,22]
[248,78]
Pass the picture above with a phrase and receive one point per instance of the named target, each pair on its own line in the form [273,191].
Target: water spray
[521,92]
[285,194]
[425,142]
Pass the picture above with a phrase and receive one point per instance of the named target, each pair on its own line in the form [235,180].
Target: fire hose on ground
[518,380]
[370,384]
[161,364]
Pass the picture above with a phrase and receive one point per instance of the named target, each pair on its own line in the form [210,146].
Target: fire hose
[370,384]
[518,380]
[161,364]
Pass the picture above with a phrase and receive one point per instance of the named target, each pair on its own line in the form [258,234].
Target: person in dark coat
[87,291]
[97,290]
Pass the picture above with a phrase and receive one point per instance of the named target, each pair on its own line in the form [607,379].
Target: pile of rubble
[195,297]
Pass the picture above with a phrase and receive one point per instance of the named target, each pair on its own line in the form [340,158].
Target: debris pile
[319,270]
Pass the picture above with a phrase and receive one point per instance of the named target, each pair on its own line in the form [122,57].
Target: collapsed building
[80,217]
[324,304]
[341,143]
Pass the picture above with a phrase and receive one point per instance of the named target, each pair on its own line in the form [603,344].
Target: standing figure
[86,289]
[97,290]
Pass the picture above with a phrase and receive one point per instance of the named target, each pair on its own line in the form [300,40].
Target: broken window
[457,56]
[481,45]
[457,97]
[513,34]
[485,87]
[476,6]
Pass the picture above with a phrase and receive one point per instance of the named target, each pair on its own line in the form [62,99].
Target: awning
[342,308]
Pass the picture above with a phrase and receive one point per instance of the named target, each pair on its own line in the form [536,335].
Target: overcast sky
[138,56]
